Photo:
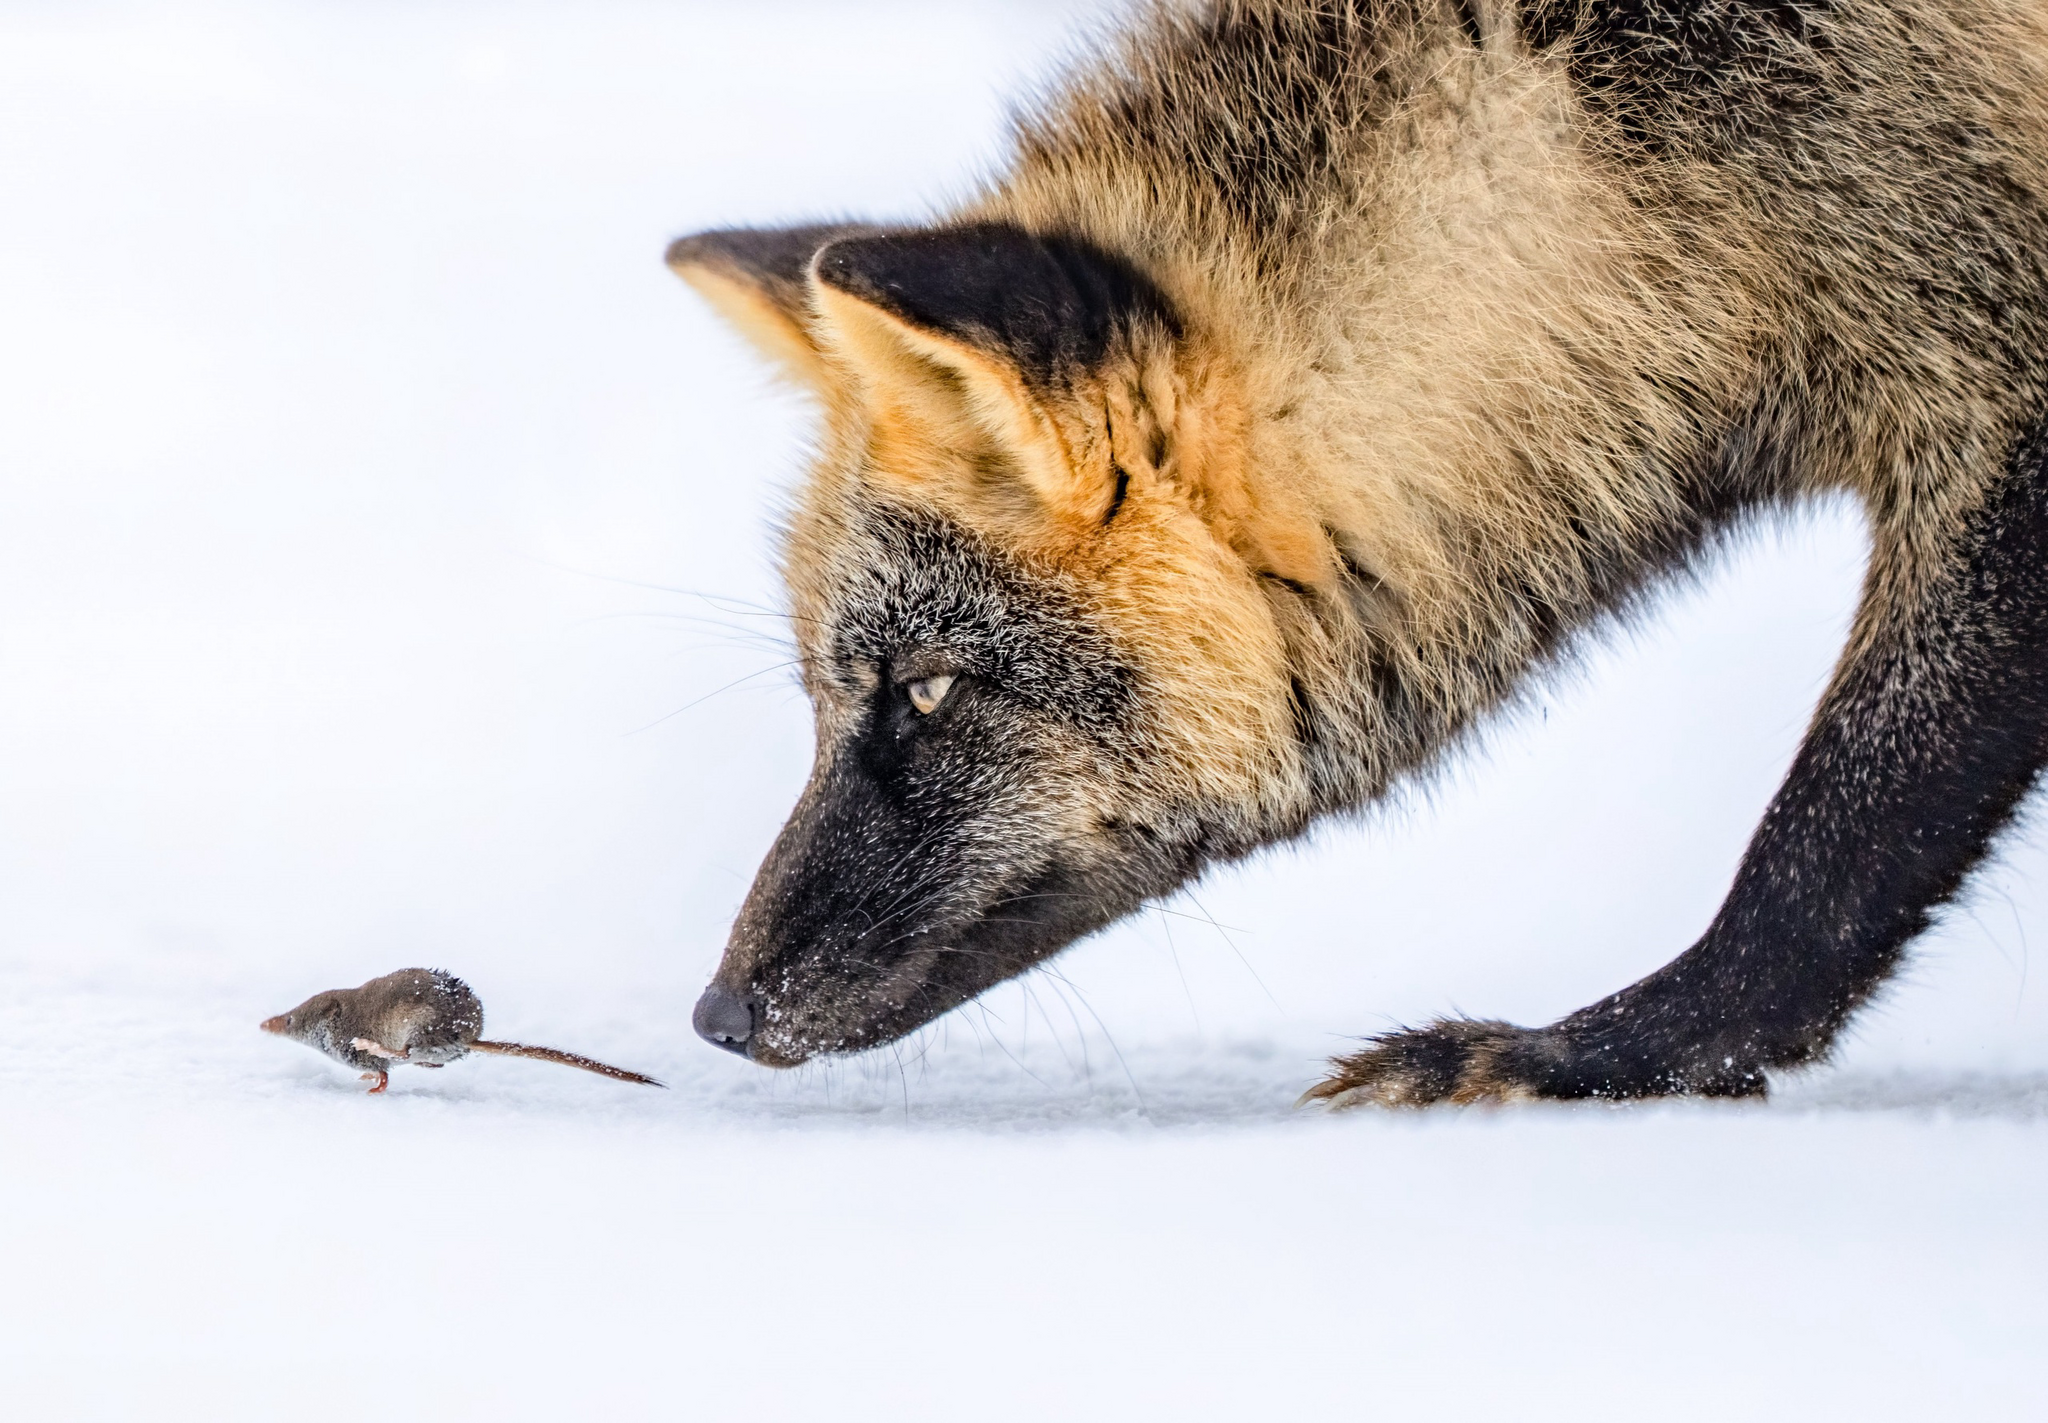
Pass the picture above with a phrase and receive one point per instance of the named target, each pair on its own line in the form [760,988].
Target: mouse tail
[567,1059]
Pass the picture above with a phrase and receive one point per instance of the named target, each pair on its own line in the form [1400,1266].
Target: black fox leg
[1934,727]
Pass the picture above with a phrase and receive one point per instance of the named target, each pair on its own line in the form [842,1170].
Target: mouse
[416,1017]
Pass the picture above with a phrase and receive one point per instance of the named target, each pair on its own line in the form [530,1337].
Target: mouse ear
[758,279]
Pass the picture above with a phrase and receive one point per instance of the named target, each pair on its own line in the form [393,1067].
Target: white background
[386,578]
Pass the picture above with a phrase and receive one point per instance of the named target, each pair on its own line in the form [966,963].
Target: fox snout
[868,918]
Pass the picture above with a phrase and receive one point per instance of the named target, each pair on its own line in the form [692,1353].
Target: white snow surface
[386,577]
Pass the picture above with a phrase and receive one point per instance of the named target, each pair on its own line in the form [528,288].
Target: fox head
[1033,597]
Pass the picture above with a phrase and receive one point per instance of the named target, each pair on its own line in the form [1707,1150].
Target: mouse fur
[424,1017]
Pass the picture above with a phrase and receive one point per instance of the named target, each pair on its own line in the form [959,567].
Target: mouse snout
[275,1025]
[724,1019]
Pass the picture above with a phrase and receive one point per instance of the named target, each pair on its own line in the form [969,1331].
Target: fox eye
[927,692]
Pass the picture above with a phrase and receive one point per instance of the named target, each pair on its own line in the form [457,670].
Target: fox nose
[724,1019]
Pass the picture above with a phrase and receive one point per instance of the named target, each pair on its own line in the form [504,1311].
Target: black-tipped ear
[1046,305]
[978,338]
[759,280]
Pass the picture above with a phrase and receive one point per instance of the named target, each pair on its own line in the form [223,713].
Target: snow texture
[385,579]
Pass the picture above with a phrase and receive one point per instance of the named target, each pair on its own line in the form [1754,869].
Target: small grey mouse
[420,1016]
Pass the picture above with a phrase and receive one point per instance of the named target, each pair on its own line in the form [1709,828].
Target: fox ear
[982,330]
[758,279]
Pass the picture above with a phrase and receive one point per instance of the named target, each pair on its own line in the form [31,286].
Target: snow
[352,443]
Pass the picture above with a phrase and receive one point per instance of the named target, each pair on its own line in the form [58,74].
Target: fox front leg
[1933,728]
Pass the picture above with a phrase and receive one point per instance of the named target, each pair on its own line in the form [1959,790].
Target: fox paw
[1462,1061]
[1455,1060]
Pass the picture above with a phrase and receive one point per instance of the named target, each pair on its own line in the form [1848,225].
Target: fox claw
[1464,1061]
[1458,1060]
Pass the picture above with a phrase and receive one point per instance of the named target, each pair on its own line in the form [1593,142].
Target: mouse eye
[927,692]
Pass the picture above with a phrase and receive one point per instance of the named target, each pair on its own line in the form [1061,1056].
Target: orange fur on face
[1173,574]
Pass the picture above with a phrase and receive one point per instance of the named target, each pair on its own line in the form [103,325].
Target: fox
[1307,381]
